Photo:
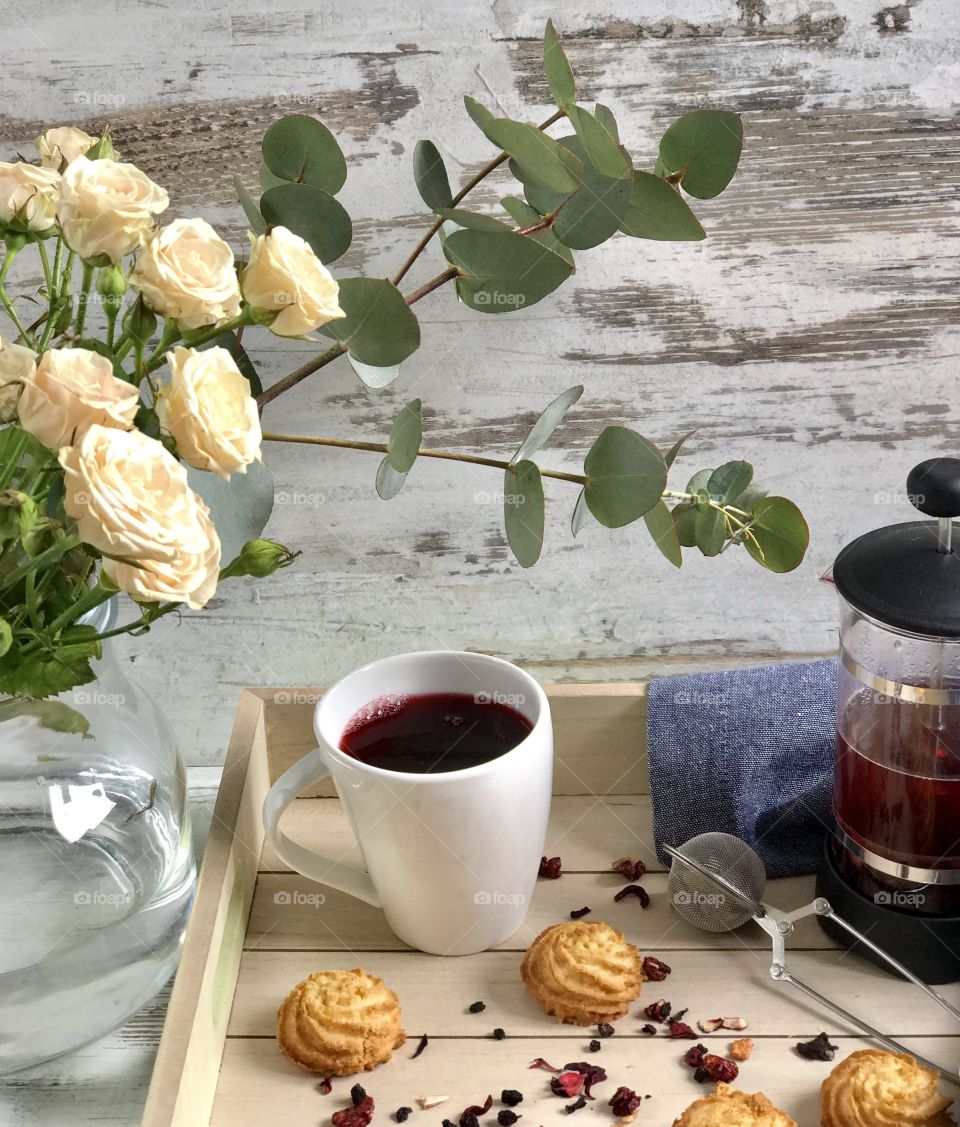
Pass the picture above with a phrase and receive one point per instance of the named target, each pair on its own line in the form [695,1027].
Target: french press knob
[934,488]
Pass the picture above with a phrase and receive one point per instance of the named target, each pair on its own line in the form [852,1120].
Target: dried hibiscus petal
[719,1069]
[694,1057]
[817,1049]
[542,1064]
[549,868]
[325,1087]
[628,869]
[624,1101]
[654,970]
[634,890]
[359,1115]
[658,1010]
[592,1074]
[567,1084]
[680,1031]
[476,1110]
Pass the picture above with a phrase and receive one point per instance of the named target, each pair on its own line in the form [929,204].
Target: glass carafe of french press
[892,864]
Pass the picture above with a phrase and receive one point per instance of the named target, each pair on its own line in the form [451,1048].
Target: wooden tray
[257,929]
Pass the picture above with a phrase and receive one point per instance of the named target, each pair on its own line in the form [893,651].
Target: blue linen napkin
[748,752]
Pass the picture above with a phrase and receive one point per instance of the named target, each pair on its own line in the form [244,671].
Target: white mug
[451,857]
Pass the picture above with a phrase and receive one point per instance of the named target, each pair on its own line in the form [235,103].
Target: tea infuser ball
[716,881]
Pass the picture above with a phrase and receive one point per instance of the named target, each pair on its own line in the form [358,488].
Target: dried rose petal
[710,1024]
[634,890]
[358,1116]
[542,1064]
[476,1110]
[817,1049]
[693,1058]
[427,1102]
[679,1030]
[720,1069]
[624,1101]
[654,970]
[658,1010]
[549,868]
[736,1023]
[628,869]
[741,1049]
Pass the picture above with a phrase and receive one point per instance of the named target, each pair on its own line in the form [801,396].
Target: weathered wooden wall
[814,333]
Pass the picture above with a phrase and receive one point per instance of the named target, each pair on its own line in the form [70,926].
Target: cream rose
[131,501]
[16,365]
[186,272]
[208,408]
[104,207]
[58,147]
[28,194]
[71,390]
[284,274]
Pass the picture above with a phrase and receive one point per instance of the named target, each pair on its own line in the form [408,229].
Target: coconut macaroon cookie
[339,1022]
[882,1089]
[582,972]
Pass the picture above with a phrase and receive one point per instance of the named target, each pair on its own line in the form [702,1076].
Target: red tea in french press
[892,862]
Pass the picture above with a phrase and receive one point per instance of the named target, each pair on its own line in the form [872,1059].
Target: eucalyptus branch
[433,284]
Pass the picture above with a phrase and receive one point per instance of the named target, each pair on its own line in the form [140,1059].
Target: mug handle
[324,870]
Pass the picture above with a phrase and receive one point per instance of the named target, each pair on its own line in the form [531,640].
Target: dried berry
[658,1010]
[499,1034]
[605,1029]
[576,1105]
[402,1114]
[719,1069]
[701,1075]
[693,1058]
[629,870]
[448,1123]
[654,970]
[325,1086]
[549,868]
[817,1049]
[506,1117]
[735,1023]
[741,1049]
[477,1007]
[650,1030]
[468,1119]
[511,1097]
[710,1024]
[420,1047]
[680,1031]
[357,1116]
[542,1064]
[634,890]
[594,1046]
[474,1111]
[358,1094]
[579,913]
[624,1101]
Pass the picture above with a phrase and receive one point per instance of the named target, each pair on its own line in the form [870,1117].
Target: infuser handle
[933,487]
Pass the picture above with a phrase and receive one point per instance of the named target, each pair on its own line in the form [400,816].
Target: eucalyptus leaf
[781,534]
[660,525]
[593,213]
[547,423]
[302,150]
[239,508]
[626,475]
[502,271]
[405,436]
[655,210]
[698,483]
[526,216]
[557,69]
[311,213]
[710,531]
[373,376]
[250,209]
[580,514]
[389,481]
[703,150]
[268,180]
[479,114]
[430,174]
[602,148]
[523,511]
[538,159]
[671,455]
[685,521]
[607,120]
[728,481]
[472,220]
[379,329]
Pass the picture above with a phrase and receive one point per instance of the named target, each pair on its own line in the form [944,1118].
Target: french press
[892,862]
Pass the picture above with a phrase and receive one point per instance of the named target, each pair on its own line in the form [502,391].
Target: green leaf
[250,209]
[547,423]
[602,148]
[373,376]
[671,455]
[379,328]
[49,672]
[389,481]
[51,714]
[655,210]
[6,636]
[431,176]
[660,525]
[304,151]
[502,271]
[626,476]
[538,159]
[311,213]
[239,508]
[405,436]
[580,514]
[781,532]
[473,220]
[102,149]
[478,112]
[525,216]
[698,483]
[710,531]
[140,322]
[557,69]
[729,481]
[703,149]
[593,213]
[228,340]
[523,511]
[607,120]
[268,180]
[685,520]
